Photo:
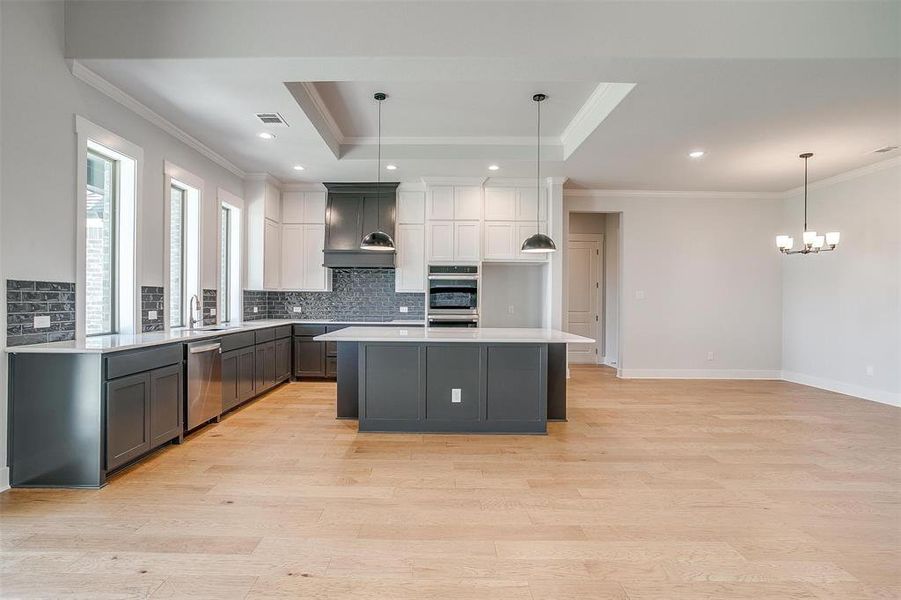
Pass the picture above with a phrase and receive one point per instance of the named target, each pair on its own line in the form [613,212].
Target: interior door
[584,258]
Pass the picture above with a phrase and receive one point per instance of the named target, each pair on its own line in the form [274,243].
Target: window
[177,211]
[100,251]
[225,263]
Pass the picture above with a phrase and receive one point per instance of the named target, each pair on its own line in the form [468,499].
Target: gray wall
[520,286]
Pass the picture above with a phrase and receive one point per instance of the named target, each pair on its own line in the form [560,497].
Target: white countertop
[454,334]
[114,343]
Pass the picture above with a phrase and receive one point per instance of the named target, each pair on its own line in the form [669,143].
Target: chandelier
[812,242]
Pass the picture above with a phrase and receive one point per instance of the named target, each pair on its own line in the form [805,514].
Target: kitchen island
[452,380]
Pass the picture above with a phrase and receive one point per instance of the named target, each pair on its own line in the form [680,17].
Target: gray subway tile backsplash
[356,294]
[152,300]
[209,307]
[26,300]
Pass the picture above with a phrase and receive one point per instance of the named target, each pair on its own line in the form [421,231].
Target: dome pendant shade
[378,241]
[538,243]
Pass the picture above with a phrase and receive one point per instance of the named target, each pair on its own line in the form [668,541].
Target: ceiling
[753,88]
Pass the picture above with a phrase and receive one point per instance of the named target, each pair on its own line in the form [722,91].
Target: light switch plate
[42,322]
[295,309]
[212,312]
[151,315]
[456,395]
[403,332]
[404,309]
[639,294]
[256,309]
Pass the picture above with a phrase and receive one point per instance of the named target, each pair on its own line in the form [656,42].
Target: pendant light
[812,243]
[538,243]
[378,240]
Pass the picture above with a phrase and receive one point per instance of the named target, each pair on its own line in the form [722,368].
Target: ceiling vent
[272,119]
[885,149]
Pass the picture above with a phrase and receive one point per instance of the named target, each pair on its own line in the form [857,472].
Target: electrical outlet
[710,356]
[295,309]
[403,332]
[256,309]
[404,309]
[870,370]
[42,322]
[639,294]
[456,395]
[511,309]
[152,315]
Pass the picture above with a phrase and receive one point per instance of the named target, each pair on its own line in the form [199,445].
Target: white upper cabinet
[440,241]
[292,252]
[303,207]
[467,203]
[411,207]
[272,203]
[500,204]
[527,204]
[315,276]
[271,254]
[409,273]
[499,240]
[441,203]
[467,241]
[314,208]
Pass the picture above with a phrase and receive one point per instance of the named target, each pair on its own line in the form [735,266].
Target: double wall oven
[453,296]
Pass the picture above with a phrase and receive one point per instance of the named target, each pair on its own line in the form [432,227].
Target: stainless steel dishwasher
[204,382]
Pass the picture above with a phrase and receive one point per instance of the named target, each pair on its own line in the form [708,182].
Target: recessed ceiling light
[391,167]
[696,154]
[266,135]
[298,167]
[493,167]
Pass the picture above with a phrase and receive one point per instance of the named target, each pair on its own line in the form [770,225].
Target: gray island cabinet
[452,380]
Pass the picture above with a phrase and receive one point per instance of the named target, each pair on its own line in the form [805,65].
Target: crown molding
[582,193]
[86,75]
[887,163]
[601,102]
[429,181]
[556,180]
[499,140]
[303,187]
[322,108]
[510,182]
[266,177]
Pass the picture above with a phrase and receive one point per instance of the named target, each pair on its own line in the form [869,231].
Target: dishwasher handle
[205,348]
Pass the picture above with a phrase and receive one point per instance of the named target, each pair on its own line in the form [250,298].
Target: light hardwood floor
[653,490]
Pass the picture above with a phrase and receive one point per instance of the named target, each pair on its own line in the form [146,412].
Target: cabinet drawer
[309,329]
[264,335]
[282,331]
[331,348]
[127,363]
[331,328]
[238,340]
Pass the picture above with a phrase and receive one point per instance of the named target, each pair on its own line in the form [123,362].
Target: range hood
[352,211]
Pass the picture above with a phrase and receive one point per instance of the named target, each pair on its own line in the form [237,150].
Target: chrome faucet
[193,312]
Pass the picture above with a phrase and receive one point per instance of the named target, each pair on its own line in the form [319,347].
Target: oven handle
[461,318]
[452,277]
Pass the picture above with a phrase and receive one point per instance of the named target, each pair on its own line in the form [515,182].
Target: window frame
[183,264]
[192,236]
[226,214]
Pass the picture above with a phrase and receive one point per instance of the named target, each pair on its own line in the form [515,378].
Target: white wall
[842,309]
[40,99]
[521,286]
[710,278]
[611,289]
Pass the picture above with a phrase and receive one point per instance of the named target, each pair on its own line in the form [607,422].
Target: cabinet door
[292,257]
[315,276]
[260,370]
[441,240]
[272,249]
[468,202]
[127,419]
[309,357]
[165,404]
[526,204]
[411,207]
[270,367]
[500,204]
[292,207]
[273,203]
[230,397]
[314,207]
[499,244]
[409,274]
[246,373]
[441,203]
[523,231]
[467,241]
[283,359]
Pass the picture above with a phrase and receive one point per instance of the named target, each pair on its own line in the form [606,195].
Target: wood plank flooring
[653,490]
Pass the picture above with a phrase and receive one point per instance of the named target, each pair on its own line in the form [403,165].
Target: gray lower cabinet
[283,359]
[246,373]
[143,411]
[230,398]
[309,357]
[265,366]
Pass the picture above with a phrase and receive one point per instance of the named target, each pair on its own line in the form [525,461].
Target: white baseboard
[4,479]
[840,387]
[698,374]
